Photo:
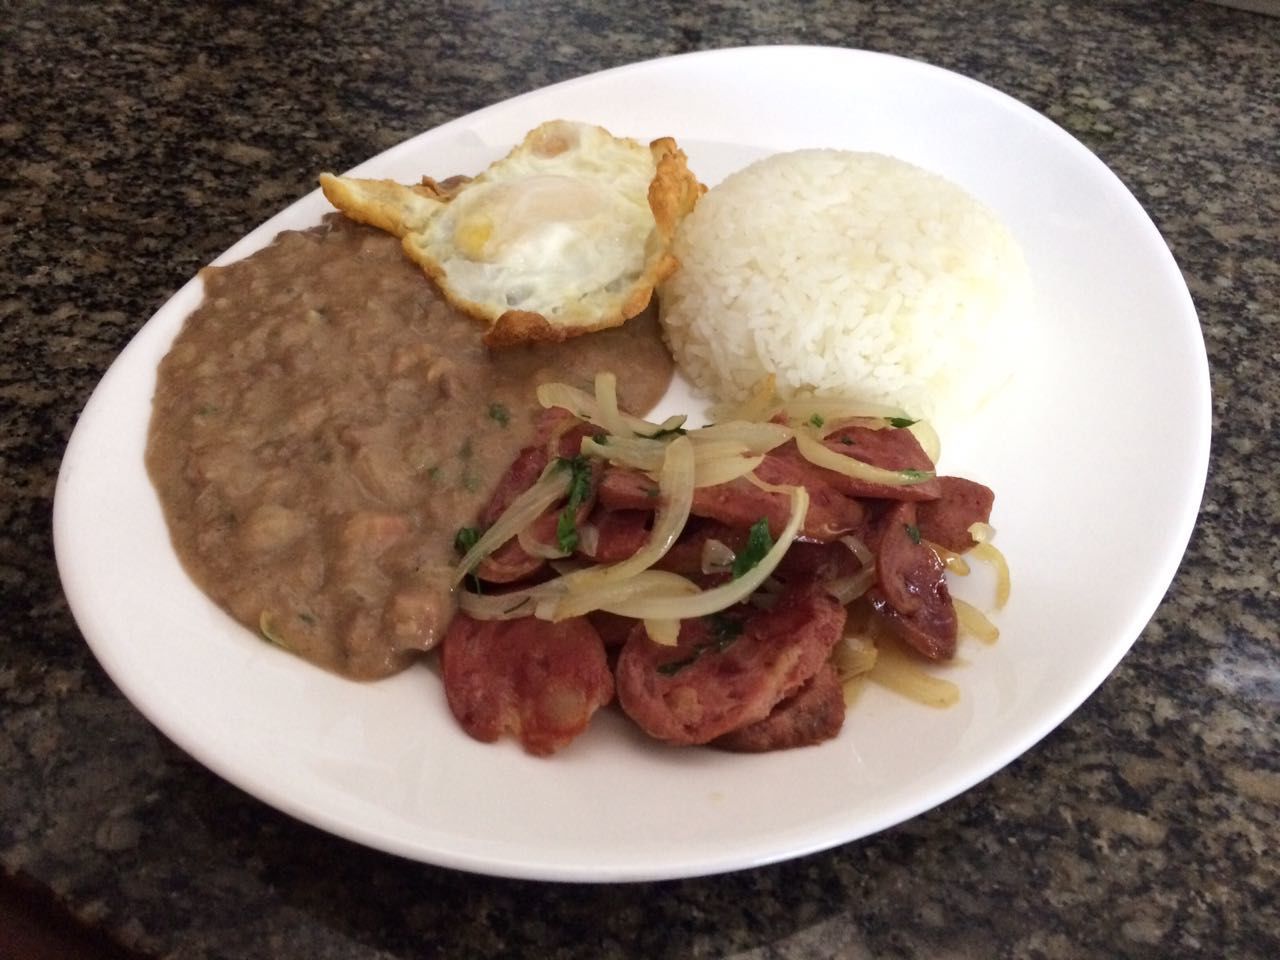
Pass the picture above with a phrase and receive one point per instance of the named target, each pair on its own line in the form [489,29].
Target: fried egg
[568,233]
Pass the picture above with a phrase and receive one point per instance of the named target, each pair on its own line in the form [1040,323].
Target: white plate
[1098,455]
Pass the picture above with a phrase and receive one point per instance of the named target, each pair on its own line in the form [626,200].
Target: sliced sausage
[717,679]
[911,590]
[889,448]
[813,714]
[946,521]
[740,503]
[537,681]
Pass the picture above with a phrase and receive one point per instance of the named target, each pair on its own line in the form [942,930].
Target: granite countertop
[140,140]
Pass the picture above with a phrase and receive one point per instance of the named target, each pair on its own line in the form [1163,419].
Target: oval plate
[1114,385]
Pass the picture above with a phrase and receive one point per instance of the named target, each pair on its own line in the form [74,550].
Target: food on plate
[734,575]
[325,420]
[350,468]
[568,233]
[848,274]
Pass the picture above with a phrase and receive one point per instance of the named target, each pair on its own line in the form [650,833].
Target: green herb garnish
[579,491]
[913,532]
[758,544]
[900,423]
[466,538]
[725,630]
[499,414]
[816,420]
[915,474]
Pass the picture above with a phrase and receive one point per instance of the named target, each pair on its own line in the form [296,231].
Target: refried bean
[325,422]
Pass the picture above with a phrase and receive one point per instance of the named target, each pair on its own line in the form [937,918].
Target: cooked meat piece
[891,449]
[740,503]
[911,590]
[614,630]
[537,681]
[729,670]
[817,561]
[946,521]
[511,562]
[621,533]
[813,714]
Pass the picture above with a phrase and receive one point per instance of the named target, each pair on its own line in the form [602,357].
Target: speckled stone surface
[140,140]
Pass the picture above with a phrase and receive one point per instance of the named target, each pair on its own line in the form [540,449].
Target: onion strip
[675,498]
[553,485]
[974,622]
[895,670]
[584,406]
[607,404]
[812,450]
[719,598]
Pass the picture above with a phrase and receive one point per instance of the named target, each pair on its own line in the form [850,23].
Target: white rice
[850,274]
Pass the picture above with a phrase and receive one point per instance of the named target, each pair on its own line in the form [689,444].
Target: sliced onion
[664,632]
[536,548]
[982,532]
[716,556]
[710,601]
[675,497]
[896,670]
[848,589]
[607,404]
[638,452]
[646,583]
[974,622]
[928,439]
[861,552]
[507,606]
[752,437]
[853,656]
[584,406]
[812,450]
[950,559]
[987,553]
[588,539]
[550,487]
[802,409]
[711,473]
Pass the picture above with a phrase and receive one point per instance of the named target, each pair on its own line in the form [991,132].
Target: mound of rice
[852,274]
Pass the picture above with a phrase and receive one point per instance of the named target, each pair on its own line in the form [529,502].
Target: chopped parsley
[913,532]
[466,538]
[499,414]
[579,491]
[816,420]
[900,423]
[758,544]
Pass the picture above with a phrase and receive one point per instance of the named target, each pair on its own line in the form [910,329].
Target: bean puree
[325,422]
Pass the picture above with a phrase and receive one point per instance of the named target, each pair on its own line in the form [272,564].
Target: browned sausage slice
[889,448]
[537,681]
[718,679]
[946,521]
[814,714]
[911,590]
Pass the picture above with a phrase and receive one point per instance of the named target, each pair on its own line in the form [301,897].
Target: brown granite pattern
[140,140]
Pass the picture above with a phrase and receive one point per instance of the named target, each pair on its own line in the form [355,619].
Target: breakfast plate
[1097,452]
